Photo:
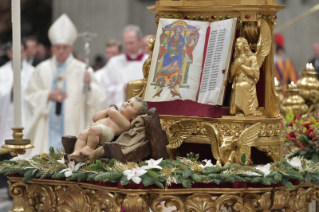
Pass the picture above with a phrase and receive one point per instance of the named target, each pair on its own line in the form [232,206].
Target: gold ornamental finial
[277,84]
[293,101]
[292,87]
[309,69]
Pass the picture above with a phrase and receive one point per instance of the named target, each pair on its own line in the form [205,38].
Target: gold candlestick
[17,145]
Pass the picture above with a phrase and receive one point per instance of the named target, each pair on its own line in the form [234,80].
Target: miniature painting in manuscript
[174,58]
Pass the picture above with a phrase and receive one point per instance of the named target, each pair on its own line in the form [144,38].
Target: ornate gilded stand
[56,195]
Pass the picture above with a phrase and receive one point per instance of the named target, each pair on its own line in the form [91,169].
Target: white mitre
[63,31]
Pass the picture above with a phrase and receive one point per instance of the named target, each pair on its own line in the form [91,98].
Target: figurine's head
[241,45]
[134,107]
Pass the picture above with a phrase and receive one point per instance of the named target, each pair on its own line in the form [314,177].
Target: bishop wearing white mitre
[6,95]
[56,92]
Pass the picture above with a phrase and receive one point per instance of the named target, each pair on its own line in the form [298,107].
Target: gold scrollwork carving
[310,194]
[224,129]
[258,202]
[234,201]
[236,129]
[169,201]
[104,201]
[280,199]
[199,203]
[135,202]
[17,191]
[73,199]
[41,198]
[316,195]
[278,129]
[300,200]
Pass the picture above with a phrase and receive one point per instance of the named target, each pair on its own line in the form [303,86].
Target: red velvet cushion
[188,108]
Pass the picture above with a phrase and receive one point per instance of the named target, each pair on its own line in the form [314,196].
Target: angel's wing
[181,130]
[264,41]
[213,135]
[247,138]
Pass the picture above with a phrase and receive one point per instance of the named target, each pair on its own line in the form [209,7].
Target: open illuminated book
[191,61]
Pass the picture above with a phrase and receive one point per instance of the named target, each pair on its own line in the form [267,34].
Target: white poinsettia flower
[265,169]
[134,174]
[208,163]
[295,162]
[152,164]
[62,160]
[72,167]
[21,157]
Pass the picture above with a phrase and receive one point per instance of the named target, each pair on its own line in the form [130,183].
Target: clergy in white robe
[56,92]
[112,49]
[122,69]
[6,98]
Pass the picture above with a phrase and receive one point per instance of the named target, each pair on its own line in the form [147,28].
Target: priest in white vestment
[6,95]
[56,92]
[122,69]
[112,49]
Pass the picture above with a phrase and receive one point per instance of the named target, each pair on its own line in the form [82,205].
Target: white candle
[16,40]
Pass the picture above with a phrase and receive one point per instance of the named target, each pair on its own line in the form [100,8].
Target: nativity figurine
[107,124]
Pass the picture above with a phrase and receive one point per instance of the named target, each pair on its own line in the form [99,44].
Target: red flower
[309,131]
[298,117]
[292,123]
[307,124]
[292,134]
[303,147]
[313,136]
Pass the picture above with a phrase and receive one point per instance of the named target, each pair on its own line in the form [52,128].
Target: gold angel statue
[245,72]
[228,149]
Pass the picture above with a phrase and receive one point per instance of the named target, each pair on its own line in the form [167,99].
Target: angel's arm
[234,69]
[253,70]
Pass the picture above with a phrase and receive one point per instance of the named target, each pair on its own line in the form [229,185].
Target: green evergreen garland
[181,171]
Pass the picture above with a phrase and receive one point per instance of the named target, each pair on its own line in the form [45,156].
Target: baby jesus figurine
[107,124]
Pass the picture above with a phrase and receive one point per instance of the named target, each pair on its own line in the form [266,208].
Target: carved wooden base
[181,130]
[55,195]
